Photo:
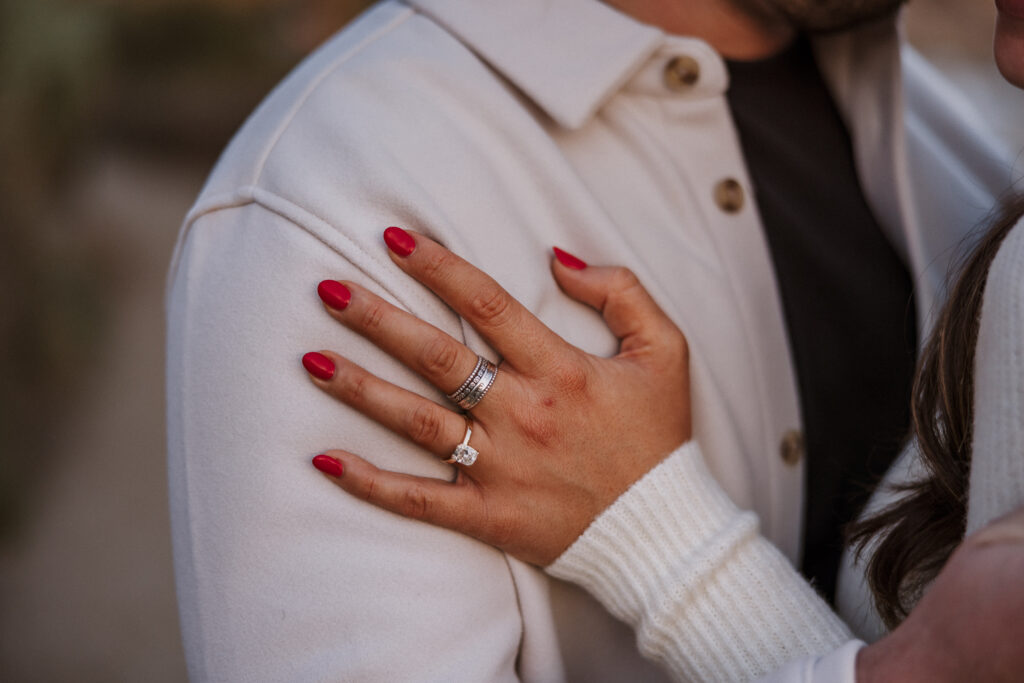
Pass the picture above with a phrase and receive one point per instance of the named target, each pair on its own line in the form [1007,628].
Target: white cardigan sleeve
[997,463]
[710,599]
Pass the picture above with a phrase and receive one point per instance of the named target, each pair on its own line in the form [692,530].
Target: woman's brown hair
[917,534]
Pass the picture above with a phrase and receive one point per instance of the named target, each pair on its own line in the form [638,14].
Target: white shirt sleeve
[709,598]
[281,576]
[838,666]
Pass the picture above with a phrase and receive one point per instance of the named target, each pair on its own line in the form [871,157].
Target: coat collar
[571,56]
[568,56]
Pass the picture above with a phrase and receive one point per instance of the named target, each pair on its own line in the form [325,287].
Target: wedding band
[476,385]
[464,454]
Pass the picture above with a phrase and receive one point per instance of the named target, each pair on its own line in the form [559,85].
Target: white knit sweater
[712,600]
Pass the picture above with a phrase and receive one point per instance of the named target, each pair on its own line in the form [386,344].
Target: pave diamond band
[461,392]
[472,391]
[464,454]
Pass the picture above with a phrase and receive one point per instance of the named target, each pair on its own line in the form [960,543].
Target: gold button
[729,195]
[681,73]
[792,448]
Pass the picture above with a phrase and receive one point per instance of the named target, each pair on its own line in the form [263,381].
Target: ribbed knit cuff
[709,598]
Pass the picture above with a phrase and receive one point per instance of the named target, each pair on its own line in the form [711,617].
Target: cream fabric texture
[997,455]
[710,599]
[500,129]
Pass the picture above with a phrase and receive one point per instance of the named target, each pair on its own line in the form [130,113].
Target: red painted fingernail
[328,465]
[318,365]
[568,260]
[399,241]
[334,294]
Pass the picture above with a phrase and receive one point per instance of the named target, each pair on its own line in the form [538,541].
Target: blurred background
[111,115]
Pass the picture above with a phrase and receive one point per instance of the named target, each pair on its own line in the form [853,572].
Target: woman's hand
[561,433]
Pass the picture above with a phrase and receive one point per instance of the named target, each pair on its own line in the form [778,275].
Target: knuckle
[354,390]
[543,432]
[435,264]
[623,288]
[439,357]
[538,426]
[623,279]
[676,343]
[491,306]
[425,424]
[570,379]
[373,316]
[368,491]
[414,503]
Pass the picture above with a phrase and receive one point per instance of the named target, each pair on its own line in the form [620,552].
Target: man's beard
[821,16]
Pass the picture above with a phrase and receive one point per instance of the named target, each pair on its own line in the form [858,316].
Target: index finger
[515,333]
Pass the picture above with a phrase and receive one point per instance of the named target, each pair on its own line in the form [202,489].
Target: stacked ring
[476,386]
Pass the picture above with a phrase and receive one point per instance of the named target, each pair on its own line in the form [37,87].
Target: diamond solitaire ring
[476,385]
[464,454]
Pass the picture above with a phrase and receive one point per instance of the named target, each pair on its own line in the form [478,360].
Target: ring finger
[406,413]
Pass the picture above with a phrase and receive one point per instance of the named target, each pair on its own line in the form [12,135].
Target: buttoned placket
[688,80]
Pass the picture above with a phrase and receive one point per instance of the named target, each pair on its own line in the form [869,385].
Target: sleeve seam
[303,219]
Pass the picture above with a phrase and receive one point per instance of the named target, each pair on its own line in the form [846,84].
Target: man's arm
[280,577]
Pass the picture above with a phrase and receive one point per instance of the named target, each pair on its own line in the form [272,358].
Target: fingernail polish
[328,465]
[334,294]
[568,260]
[399,241]
[318,365]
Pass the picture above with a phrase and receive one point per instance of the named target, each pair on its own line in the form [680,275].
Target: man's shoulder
[391,94]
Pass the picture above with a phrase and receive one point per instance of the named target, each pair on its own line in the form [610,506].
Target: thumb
[626,306]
